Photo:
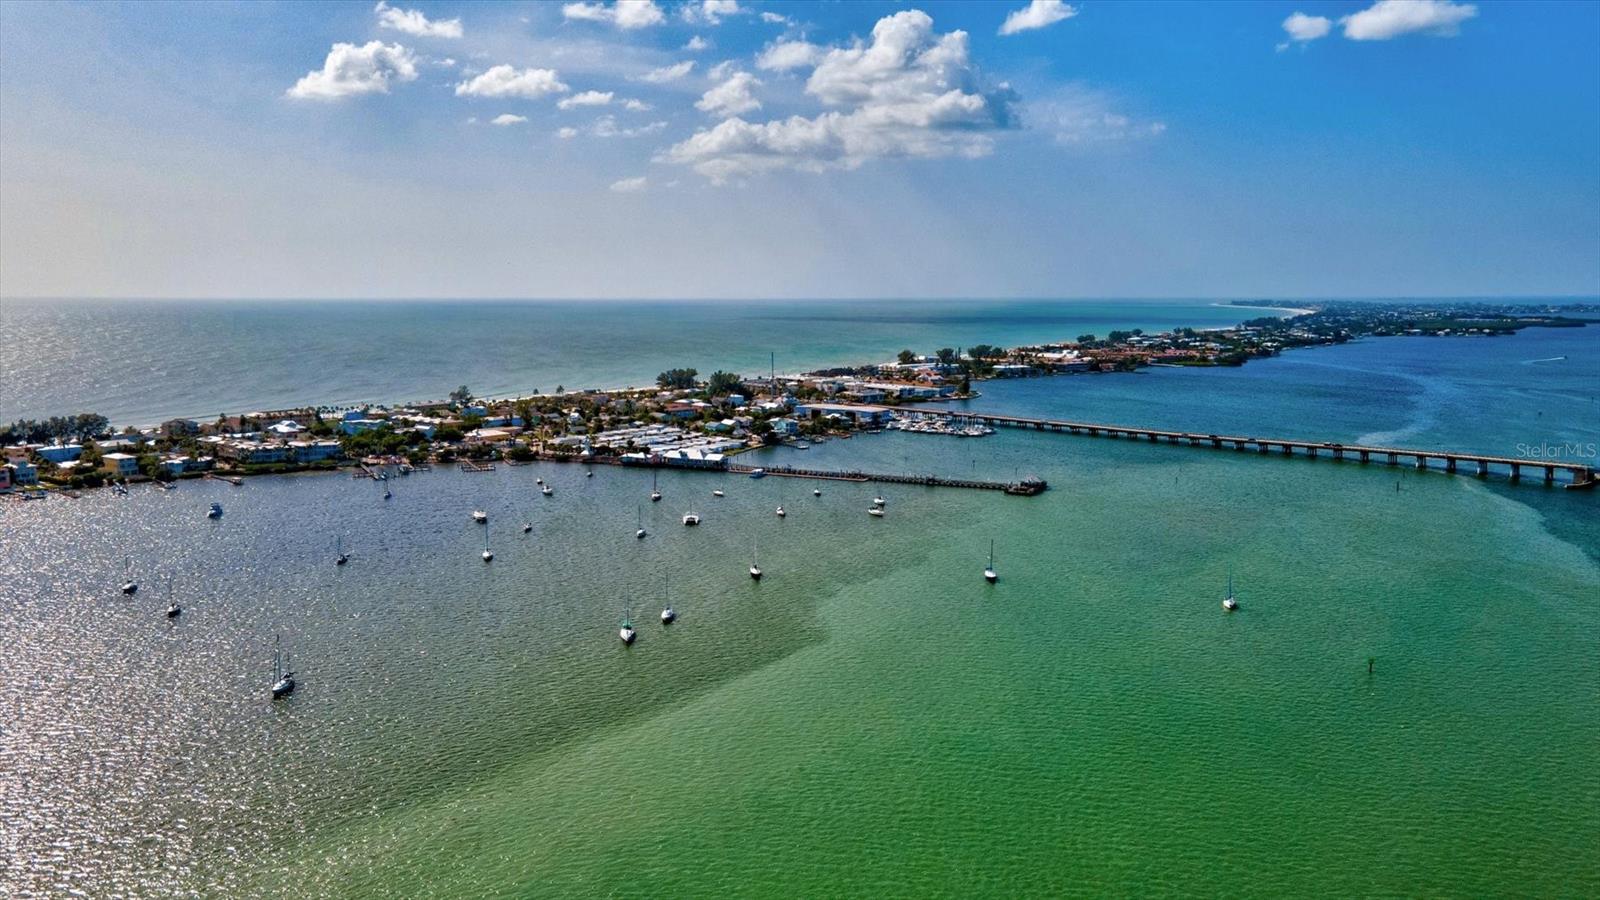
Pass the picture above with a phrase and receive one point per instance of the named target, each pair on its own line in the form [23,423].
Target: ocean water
[143,361]
[870,718]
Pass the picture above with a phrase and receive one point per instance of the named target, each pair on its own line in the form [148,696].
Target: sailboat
[480,516]
[527,526]
[667,614]
[641,532]
[690,518]
[547,490]
[215,512]
[282,673]
[487,553]
[989,573]
[173,609]
[655,493]
[387,494]
[340,558]
[626,632]
[816,492]
[755,562]
[1228,603]
[128,585]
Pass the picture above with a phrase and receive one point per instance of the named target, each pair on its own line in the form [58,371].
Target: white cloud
[722,70]
[508,119]
[625,14]
[1037,14]
[1080,116]
[910,93]
[633,105]
[733,97]
[1302,28]
[413,22]
[710,11]
[587,98]
[506,81]
[785,55]
[606,127]
[772,18]
[567,134]
[668,73]
[630,185]
[1392,18]
[697,44]
[350,71]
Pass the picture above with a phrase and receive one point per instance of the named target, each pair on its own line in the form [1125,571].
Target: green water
[871,718]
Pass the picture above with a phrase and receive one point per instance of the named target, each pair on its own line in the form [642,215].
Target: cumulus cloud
[772,18]
[630,185]
[507,81]
[413,22]
[633,105]
[668,73]
[1388,19]
[1302,28]
[606,127]
[567,134]
[733,97]
[350,71]
[909,93]
[507,119]
[697,44]
[1080,116]
[710,12]
[587,98]
[625,14]
[1037,14]
[785,55]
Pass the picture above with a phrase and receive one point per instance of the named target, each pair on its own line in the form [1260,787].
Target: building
[60,453]
[315,451]
[858,413]
[121,465]
[288,428]
[179,427]
[5,479]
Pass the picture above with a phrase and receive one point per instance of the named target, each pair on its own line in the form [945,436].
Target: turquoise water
[142,361]
[871,717]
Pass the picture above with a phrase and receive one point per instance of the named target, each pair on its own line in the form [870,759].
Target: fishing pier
[1025,488]
[1580,476]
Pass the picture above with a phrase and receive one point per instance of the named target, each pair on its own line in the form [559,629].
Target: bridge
[1580,476]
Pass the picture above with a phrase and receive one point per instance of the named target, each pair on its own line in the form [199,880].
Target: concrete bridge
[1579,475]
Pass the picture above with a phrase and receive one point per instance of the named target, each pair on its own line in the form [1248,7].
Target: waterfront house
[179,427]
[854,412]
[360,424]
[315,451]
[60,453]
[121,465]
[287,428]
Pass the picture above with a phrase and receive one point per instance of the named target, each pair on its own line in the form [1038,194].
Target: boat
[641,532]
[718,493]
[655,492]
[166,485]
[626,631]
[1228,602]
[589,474]
[527,526]
[129,586]
[340,558]
[781,513]
[215,512]
[546,490]
[282,674]
[879,501]
[816,492]
[668,615]
[758,473]
[480,516]
[487,553]
[691,519]
[875,511]
[387,494]
[119,488]
[755,562]
[173,609]
[538,481]
[989,573]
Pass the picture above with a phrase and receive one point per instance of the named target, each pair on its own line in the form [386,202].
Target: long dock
[1020,488]
[1580,475]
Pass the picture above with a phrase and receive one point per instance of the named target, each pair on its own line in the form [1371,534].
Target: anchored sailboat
[989,573]
[655,492]
[640,513]
[282,672]
[626,631]
[755,562]
[487,553]
[339,558]
[1228,602]
[129,586]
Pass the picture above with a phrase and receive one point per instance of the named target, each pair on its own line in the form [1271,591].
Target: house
[121,465]
[788,427]
[5,479]
[175,465]
[854,412]
[23,472]
[179,427]
[288,428]
[60,453]
[315,451]
[360,424]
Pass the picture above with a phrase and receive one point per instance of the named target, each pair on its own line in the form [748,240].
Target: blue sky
[1094,149]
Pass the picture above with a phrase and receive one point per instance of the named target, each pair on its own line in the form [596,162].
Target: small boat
[282,675]
[340,557]
[387,494]
[119,488]
[668,614]
[166,485]
[129,586]
[626,631]
[215,511]
[755,563]
[487,554]
[816,492]
[480,516]
[875,511]
[781,513]
[538,481]
[655,492]
[173,609]
[1228,603]
[718,493]
[758,473]
[589,474]
[546,490]
[879,501]
[641,532]
[527,527]
[989,573]
[691,519]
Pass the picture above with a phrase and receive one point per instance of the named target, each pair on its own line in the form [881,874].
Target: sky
[741,149]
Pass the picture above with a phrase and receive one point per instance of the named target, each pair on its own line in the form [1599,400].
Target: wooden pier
[1580,476]
[1026,488]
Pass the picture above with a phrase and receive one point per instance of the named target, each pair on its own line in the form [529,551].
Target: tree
[945,355]
[966,385]
[677,378]
[1085,338]
[721,383]
[87,425]
[985,351]
[906,357]
[461,395]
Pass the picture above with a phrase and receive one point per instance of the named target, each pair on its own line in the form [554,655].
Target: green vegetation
[721,383]
[382,441]
[80,427]
[906,357]
[677,378]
